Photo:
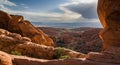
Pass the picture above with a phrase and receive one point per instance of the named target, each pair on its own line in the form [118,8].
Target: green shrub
[59,53]
[64,57]
[15,53]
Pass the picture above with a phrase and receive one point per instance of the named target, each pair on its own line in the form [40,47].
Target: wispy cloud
[7,2]
[72,10]
[41,16]
[24,6]
[83,1]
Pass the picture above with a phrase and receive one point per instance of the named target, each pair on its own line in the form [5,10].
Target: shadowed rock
[109,14]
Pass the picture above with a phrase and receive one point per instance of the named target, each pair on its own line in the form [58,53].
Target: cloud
[83,1]
[39,16]
[24,6]
[44,16]
[7,2]
[86,8]
[74,10]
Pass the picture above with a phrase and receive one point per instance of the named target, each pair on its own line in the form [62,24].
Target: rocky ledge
[108,57]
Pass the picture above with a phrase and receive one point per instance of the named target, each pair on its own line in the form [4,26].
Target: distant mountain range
[67,25]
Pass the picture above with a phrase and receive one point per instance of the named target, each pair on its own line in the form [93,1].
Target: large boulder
[109,13]
[35,50]
[17,24]
[8,41]
[5,59]
[16,44]
[36,35]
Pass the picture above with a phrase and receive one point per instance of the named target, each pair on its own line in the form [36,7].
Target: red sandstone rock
[35,50]
[5,59]
[22,60]
[111,55]
[109,17]
[4,19]
[11,42]
[17,24]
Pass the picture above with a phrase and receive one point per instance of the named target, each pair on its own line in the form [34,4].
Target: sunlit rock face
[17,24]
[5,59]
[109,14]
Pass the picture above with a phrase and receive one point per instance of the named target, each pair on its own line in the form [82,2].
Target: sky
[53,10]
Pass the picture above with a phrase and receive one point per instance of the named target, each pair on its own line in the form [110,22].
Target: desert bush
[59,53]
[15,53]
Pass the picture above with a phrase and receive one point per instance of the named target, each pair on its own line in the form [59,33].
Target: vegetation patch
[59,53]
[15,53]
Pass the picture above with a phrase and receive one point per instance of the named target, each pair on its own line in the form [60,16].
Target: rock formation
[109,17]
[109,57]
[5,59]
[17,24]
[109,13]
[15,43]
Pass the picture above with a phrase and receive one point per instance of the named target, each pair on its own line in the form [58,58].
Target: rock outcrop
[5,59]
[17,24]
[109,13]
[111,55]
[15,43]
[31,61]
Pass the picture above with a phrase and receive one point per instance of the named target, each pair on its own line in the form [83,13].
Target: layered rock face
[17,24]
[109,14]
[13,43]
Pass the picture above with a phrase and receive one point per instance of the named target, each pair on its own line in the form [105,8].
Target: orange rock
[5,59]
[13,23]
[21,60]
[35,50]
[12,42]
[4,19]
[36,35]
[17,24]
[109,17]
[110,55]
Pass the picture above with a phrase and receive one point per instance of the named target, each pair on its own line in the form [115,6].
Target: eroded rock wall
[109,14]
